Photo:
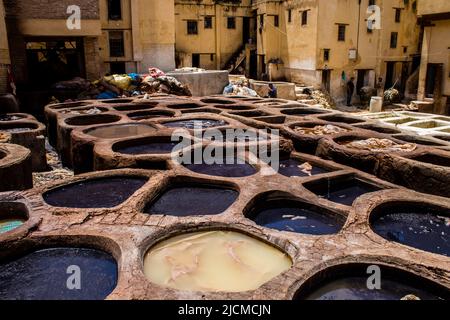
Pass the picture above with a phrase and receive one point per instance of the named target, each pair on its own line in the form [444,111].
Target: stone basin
[120,131]
[95,193]
[43,275]
[214,261]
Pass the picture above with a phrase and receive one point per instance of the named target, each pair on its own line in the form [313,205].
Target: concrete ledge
[204,83]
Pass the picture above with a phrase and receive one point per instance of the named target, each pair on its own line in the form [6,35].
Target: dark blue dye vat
[414,225]
[192,124]
[285,216]
[234,169]
[350,282]
[149,148]
[98,193]
[355,288]
[190,201]
[43,275]
[291,168]
[343,191]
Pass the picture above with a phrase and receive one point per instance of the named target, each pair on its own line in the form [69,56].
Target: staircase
[236,60]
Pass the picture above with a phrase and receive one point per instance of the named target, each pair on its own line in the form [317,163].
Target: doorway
[433,71]
[326,80]
[196,60]
[390,70]
[246,30]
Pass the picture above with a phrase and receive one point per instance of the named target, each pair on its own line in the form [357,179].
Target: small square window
[398,14]
[116,44]
[341,32]
[192,27]
[231,23]
[208,22]
[304,18]
[326,54]
[394,38]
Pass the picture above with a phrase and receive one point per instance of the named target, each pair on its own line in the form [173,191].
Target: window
[276,21]
[304,18]
[326,54]
[114,9]
[341,32]
[192,27]
[398,14]
[208,22]
[231,23]
[290,15]
[116,44]
[394,37]
[371,3]
[261,21]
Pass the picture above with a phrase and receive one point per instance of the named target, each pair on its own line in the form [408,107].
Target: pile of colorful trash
[126,85]
[239,86]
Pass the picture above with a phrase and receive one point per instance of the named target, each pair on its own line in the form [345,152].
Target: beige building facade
[114,36]
[434,79]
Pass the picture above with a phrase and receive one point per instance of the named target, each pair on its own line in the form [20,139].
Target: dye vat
[147,148]
[379,145]
[344,191]
[12,216]
[8,117]
[152,114]
[230,167]
[193,201]
[296,168]
[351,284]
[216,101]
[320,130]
[433,159]
[416,225]
[98,193]
[285,215]
[214,261]
[43,275]
[120,131]
[195,123]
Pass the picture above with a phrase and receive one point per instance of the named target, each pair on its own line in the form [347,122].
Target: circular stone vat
[151,145]
[297,168]
[43,275]
[135,107]
[151,114]
[95,193]
[12,216]
[236,107]
[344,190]
[11,117]
[120,131]
[303,111]
[68,105]
[91,120]
[184,106]
[231,167]
[18,127]
[295,216]
[193,123]
[375,145]
[316,129]
[341,119]
[111,101]
[418,225]
[214,261]
[379,129]
[349,282]
[193,200]
[217,101]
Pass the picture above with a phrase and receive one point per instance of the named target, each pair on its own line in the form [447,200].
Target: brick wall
[50,9]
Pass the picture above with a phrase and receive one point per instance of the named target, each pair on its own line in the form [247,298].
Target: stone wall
[50,9]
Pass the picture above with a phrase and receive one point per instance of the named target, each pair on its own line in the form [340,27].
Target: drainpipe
[217,40]
[359,27]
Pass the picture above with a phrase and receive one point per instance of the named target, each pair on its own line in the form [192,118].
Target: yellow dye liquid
[214,261]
